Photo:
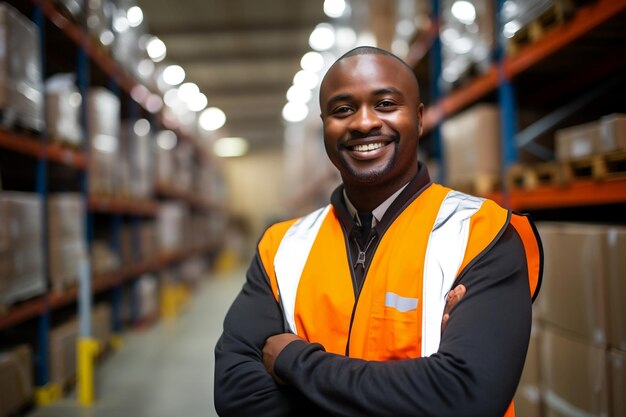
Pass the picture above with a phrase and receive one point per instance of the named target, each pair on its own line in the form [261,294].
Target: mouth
[368,147]
[368,151]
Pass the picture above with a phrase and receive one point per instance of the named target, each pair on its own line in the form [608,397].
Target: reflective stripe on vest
[444,255]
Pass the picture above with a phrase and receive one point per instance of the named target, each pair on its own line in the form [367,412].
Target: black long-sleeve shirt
[474,373]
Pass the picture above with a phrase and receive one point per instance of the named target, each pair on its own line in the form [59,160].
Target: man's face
[372,120]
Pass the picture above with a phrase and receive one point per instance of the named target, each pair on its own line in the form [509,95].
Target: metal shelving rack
[501,79]
[45,152]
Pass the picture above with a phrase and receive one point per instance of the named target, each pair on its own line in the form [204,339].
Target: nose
[365,120]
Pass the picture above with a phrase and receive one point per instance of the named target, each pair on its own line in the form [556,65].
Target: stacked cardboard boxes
[21,251]
[471,143]
[598,137]
[63,103]
[66,238]
[21,88]
[580,328]
[104,131]
[16,380]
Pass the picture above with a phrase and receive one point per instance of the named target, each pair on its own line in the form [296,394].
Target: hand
[273,346]
[453,298]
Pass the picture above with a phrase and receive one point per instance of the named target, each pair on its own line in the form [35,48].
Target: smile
[368,147]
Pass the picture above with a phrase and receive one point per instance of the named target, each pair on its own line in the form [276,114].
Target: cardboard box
[528,395]
[616,264]
[471,143]
[577,142]
[573,293]
[101,324]
[613,133]
[16,380]
[63,353]
[617,366]
[574,372]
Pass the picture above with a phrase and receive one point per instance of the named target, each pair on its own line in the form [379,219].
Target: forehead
[367,72]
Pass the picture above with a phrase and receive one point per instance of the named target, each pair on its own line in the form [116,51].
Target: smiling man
[348,311]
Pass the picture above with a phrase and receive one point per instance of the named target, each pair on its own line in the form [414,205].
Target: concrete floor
[165,370]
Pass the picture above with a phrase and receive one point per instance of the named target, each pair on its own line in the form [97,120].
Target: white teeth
[368,147]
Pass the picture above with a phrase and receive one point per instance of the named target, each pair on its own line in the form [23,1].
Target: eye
[386,104]
[341,110]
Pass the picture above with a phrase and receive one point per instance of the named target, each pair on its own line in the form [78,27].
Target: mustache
[372,134]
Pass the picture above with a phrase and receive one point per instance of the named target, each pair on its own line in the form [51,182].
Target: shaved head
[371,50]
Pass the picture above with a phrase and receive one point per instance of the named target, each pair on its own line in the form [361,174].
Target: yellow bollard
[47,394]
[86,349]
[116,341]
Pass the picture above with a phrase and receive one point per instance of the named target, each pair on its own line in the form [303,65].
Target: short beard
[371,176]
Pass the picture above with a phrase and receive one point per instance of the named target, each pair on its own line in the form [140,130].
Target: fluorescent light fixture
[306,79]
[198,102]
[134,16]
[212,119]
[299,94]
[173,74]
[156,49]
[511,28]
[312,61]
[166,140]
[230,147]
[107,37]
[334,8]
[141,127]
[121,24]
[322,37]
[346,38]
[464,11]
[295,112]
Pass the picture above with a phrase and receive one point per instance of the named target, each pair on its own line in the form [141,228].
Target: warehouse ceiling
[242,54]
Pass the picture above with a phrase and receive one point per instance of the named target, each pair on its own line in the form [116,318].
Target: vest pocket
[393,334]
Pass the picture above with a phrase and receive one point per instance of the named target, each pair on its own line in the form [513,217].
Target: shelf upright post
[507,100]
[45,393]
[87,346]
[435,87]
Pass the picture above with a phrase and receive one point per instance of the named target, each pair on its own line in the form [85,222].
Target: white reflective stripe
[292,255]
[402,304]
[445,252]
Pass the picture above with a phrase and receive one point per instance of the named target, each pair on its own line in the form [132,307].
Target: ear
[420,118]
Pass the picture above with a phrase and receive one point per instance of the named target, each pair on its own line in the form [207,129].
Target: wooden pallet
[554,16]
[479,184]
[529,177]
[607,166]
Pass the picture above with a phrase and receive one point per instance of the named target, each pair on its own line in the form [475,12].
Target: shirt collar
[378,212]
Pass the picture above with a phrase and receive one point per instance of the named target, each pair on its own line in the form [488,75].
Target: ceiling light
[171,97]
[400,47]
[322,37]
[134,16]
[511,28]
[366,38]
[121,24]
[156,49]
[173,74]
[141,127]
[212,119]
[312,61]
[295,112]
[334,8]
[346,38]
[405,27]
[230,147]
[306,79]
[145,68]
[299,94]
[166,140]
[464,11]
[198,102]
[187,91]
[107,38]
[462,45]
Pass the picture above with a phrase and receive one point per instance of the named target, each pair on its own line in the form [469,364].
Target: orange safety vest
[434,239]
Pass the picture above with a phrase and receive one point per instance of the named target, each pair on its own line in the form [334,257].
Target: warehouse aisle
[165,370]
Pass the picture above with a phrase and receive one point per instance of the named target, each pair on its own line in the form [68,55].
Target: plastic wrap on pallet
[63,110]
[104,129]
[138,159]
[171,226]
[16,380]
[21,88]
[21,258]
[147,296]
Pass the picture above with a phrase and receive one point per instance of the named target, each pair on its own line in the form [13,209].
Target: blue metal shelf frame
[435,87]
